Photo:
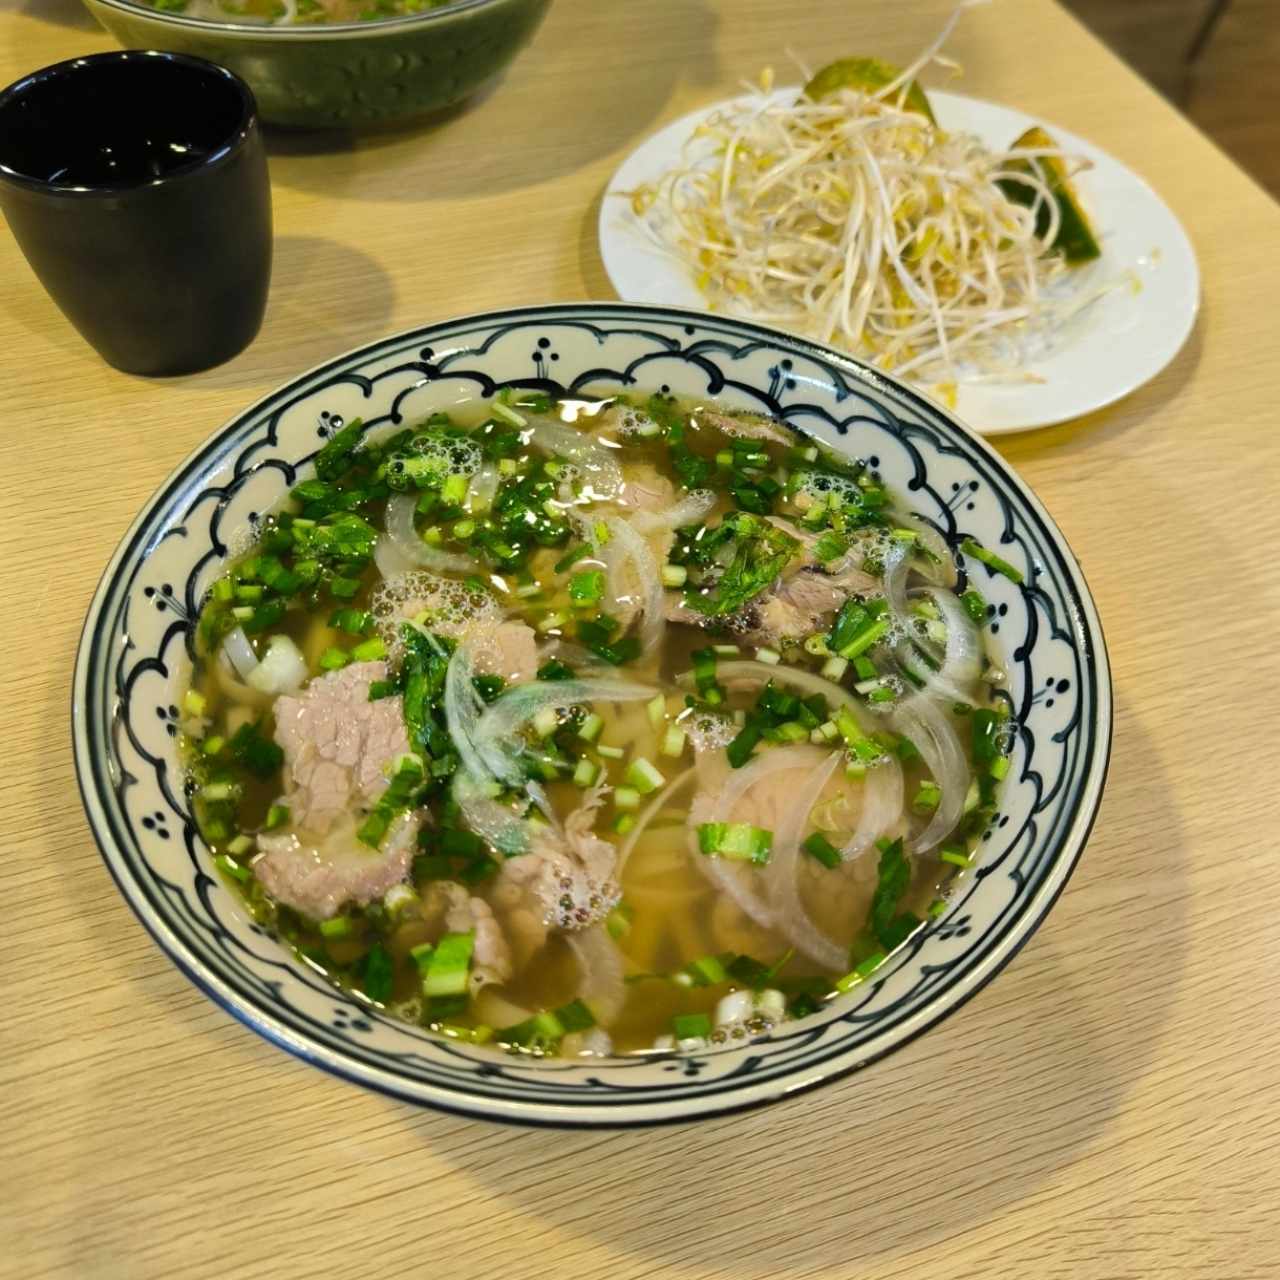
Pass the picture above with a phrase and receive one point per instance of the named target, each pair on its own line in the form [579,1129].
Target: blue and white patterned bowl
[135,655]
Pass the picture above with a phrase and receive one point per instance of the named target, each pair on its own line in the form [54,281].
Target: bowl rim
[570,1115]
[319,31]
[234,143]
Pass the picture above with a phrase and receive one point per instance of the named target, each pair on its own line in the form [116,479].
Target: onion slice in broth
[781,876]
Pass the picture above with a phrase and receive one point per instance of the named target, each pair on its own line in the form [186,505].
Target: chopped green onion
[211,746]
[656,708]
[508,415]
[835,667]
[618,922]
[337,927]
[956,857]
[623,823]
[585,773]
[739,841]
[643,776]
[332,659]
[193,703]
[610,753]
[546,721]
[865,639]
[587,588]
[975,607]
[691,1026]
[626,798]
[861,973]
[449,966]
[673,742]
[999,768]
[553,620]
[674,575]
[241,845]
[927,798]
[589,729]
[229,866]
[991,560]
[819,847]
[370,650]
[454,490]
[771,656]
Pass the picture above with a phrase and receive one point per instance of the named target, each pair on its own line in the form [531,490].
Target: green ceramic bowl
[345,74]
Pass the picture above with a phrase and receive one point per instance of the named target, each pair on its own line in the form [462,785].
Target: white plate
[1116,345]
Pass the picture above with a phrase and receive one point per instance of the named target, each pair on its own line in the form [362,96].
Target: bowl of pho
[338,63]
[592,714]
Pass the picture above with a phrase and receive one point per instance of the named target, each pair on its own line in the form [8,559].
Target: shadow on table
[884,1164]
[315,311]
[478,142]
[62,13]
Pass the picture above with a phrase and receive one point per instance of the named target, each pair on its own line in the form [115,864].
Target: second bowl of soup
[338,63]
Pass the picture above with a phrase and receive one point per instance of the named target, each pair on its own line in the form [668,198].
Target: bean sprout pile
[859,222]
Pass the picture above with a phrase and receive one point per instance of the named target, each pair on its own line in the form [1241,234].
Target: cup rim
[294,31]
[233,143]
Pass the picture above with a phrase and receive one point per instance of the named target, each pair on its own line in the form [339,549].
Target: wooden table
[1107,1109]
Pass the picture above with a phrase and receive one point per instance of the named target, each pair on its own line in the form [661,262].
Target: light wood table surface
[1109,1108]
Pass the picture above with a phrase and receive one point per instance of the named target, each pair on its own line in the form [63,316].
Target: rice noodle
[928,727]
[404,536]
[781,874]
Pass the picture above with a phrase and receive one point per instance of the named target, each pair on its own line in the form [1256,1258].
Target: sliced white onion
[930,730]
[782,872]
[941,569]
[240,653]
[283,669]
[627,554]
[484,487]
[400,529]
[961,660]
[882,804]
[739,882]
[600,982]
[462,709]
[491,820]
[597,463]
[689,510]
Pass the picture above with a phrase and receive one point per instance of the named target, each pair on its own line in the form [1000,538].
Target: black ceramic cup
[136,185]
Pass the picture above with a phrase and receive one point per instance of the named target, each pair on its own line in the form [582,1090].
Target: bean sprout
[859,222]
